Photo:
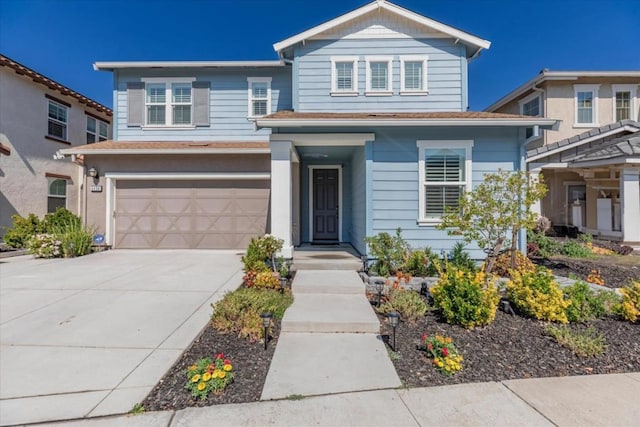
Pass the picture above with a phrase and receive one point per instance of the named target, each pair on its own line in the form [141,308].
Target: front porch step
[319,264]
[327,282]
[321,313]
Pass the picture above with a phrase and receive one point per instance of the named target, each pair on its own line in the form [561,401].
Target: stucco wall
[23,126]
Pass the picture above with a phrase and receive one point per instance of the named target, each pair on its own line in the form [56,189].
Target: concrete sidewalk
[594,400]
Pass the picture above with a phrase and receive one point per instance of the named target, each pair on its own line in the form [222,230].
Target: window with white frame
[344,76]
[57,126]
[444,176]
[413,75]
[97,130]
[624,102]
[57,194]
[586,100]
[379,75]
[259,96]
[168,102]
[531,106]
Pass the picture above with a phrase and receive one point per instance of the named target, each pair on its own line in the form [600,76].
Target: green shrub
[575,250]
[391,252]
[61,218]
[502,266]
[421,263]
[45,246]
[23,229]
[587,304]
[460,258]
[586,343]
[239,311]
[538,295]
[467,298]
[76,238]
[261,250]
[547,247]
[629,308]
[585,238]
[409,304]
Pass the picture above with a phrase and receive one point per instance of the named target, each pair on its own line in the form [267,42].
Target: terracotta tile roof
[479,115]
[197,146]
[53,85]
[5,150]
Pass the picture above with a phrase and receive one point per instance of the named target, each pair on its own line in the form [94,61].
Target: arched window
[57,194]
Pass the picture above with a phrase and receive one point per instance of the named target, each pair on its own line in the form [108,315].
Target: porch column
[281,183]
[534,176]
[630,201]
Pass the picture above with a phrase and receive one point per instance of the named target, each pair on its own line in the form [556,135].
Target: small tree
[494,211]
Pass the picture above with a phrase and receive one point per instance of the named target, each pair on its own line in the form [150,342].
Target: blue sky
[62,38]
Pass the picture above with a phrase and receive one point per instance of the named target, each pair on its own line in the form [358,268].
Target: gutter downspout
[522,235]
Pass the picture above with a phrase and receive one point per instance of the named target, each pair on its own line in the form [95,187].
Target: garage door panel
[190,214]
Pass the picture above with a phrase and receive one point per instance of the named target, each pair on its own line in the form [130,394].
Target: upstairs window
[444,175]
[531,106]
[259,96]
[97,130]
[168,102]
[344,76]
[413,75]
[57,127]
[379,76]
[624,102]
[57,195]
[586,99]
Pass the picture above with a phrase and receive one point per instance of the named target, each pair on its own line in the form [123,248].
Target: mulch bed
[250,365]
[615,276]
[512,347]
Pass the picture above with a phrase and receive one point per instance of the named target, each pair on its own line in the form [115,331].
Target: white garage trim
[112,177]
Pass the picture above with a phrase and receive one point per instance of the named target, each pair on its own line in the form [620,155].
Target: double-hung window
[624,102]
[169,102]
[531,106]
[57,127]
[444,176]
[57,194]
[379,75]
[586,100]
[259,93]
[344,76]
[413,75]
[97,130]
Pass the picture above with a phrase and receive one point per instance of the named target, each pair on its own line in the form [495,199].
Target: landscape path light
[394,320]
[266,322]
[379,288]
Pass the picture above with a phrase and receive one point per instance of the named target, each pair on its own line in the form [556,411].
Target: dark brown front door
[325,204]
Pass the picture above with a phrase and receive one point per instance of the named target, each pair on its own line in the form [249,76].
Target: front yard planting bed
[616,271]
[512,347]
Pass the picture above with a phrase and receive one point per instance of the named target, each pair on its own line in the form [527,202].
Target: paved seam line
[527,403]
[173,415]
[408,409]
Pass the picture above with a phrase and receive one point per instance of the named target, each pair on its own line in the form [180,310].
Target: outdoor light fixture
[394,320]
[379,288]
[92,172]
[266,322]
[283,283]
[424,289]
[365,263]
[505,305]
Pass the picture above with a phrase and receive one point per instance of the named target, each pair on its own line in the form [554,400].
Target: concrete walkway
[329,341]
[585,401]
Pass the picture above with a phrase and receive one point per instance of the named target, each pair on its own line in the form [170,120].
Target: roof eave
[272,123]
[110,66]
[139,151]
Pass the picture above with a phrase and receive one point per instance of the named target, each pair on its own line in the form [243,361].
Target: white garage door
[199,214]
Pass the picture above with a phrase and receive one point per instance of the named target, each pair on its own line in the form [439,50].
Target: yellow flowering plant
[630,306]
[444,355]
[206,376]
[538,295]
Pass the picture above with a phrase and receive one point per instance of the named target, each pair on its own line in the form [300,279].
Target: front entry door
[325,204]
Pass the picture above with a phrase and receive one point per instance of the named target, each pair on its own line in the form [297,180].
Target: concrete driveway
[91,336]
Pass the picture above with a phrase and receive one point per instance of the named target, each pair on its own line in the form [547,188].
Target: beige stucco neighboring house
[38,117]
[591,164]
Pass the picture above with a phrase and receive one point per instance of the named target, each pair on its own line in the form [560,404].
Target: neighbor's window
[57,196]
[168,102]
[344,76]
[624,103]
[444,175]
[259,96]
[413,75]
[379,75]
[530,106]
[57,120]
[97,130]
[586,98]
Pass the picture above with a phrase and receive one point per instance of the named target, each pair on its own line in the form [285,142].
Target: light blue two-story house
[360,126]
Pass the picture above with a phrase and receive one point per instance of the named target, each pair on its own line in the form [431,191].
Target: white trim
[311,169]
[537,167]
[250,82]
[530,98]
[627,128]
[619,160]
[412,16]
[633,100]
[334,76]
[378,92]
[188,175]
[324,139]
[107,151]
[414,58]
[98,66]
[400,122]
[422,145]
[64,124]
[594,116]
[168,80]
[110,226]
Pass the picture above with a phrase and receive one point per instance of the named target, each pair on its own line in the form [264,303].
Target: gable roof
[546,75]
[619,148]
[583,138]
[51,84]
[429,23]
